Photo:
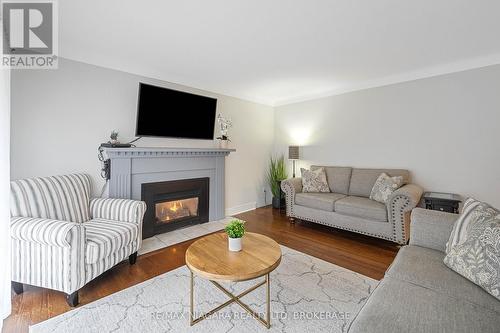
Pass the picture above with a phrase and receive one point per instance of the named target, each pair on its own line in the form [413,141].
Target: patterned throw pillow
[314,181]
[473,249]
[384,187]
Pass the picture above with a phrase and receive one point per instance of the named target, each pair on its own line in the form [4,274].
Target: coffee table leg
[233,298]
[191,299]
[268,299]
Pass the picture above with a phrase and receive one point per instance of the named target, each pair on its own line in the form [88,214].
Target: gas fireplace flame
[176,206]
[173,210]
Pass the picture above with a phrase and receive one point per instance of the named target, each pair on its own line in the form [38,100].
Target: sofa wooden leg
[292,220]
[18,287]
[132,258]
[72,299]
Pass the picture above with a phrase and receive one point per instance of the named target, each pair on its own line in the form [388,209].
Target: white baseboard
[241,208]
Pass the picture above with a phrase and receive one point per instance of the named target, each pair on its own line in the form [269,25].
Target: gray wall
[445,130]
[59,117]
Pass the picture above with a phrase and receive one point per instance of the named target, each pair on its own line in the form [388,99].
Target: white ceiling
[280,51]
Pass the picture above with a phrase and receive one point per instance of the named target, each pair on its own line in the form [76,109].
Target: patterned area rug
[307,295]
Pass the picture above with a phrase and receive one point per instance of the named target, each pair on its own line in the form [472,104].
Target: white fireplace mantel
[132,167]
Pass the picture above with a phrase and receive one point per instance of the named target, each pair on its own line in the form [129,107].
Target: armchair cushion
[117,210]
[105,237]
[42,231]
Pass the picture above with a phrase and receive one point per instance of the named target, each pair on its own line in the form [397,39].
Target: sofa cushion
[399,306]
[361,207]
[338,178]
[362,180]
[105,237]
[425,267]
[473,249]
[314,181]
[323,201]
[384,187]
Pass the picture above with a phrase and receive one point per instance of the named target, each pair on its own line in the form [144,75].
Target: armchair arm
[44,231]
[48,253]
[431,228]
[399,206]
[118,209]
[290,187]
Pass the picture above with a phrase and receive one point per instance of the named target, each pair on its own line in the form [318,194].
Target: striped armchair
[62,239]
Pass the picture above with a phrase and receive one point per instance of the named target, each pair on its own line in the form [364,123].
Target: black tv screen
[170,113]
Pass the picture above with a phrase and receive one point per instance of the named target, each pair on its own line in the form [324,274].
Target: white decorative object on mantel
[224,125]
[132,167]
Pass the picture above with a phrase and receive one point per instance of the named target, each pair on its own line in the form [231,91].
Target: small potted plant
[235,230]
[114,137]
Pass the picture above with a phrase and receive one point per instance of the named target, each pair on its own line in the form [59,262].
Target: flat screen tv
[165,112]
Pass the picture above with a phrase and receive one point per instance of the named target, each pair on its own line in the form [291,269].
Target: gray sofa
[420,294]
[348,205]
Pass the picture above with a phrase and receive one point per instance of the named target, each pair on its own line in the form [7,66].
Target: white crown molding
[428,72]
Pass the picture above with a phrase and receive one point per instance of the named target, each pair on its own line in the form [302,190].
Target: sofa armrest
[292,184]
[431,228]
[412,192]
[44,231]
[290,187]
[399,206]
[118,210]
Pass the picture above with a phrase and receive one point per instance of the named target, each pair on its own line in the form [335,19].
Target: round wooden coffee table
[210,258]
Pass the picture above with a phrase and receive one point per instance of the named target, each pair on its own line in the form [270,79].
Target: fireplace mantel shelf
[138,152]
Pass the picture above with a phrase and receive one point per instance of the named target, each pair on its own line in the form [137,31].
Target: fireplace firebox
[174,204]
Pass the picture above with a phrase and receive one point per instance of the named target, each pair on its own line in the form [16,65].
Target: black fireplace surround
[165,192]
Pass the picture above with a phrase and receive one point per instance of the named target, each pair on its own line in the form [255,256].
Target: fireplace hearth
[175,204]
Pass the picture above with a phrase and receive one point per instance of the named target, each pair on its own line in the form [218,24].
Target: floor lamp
[293,154]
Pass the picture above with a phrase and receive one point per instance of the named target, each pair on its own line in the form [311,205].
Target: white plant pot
[223,144]
[234,244]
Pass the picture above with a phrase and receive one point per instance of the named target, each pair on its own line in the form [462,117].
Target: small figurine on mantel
[224,125]
[114,137]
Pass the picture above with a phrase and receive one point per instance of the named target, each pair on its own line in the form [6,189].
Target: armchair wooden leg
[18,287]
[292,220]
[132,258]
[72,299]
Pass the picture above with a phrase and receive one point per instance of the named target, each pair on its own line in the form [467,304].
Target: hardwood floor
[362,254]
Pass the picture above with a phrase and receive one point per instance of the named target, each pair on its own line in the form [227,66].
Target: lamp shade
[293,152]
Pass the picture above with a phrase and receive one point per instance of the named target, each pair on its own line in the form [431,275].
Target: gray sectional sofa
[348,205]
[420,294]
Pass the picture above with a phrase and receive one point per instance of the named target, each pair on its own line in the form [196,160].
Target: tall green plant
[276,173]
